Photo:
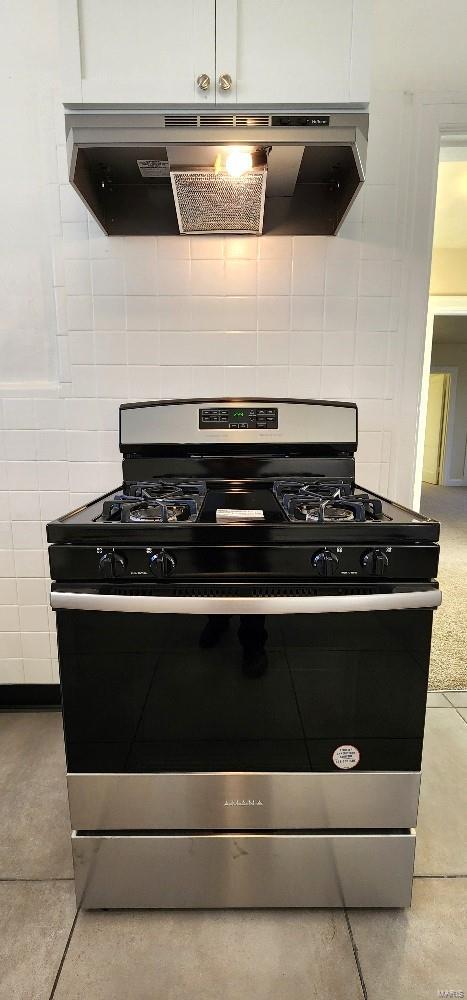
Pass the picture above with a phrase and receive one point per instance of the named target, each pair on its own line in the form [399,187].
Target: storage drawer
[244,869]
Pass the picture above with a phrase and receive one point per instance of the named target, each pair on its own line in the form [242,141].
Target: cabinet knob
[203,81]
[225,81]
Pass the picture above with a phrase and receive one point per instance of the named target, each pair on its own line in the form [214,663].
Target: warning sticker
[346,756]
[153,168]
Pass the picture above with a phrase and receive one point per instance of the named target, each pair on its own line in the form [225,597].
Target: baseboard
[30,696]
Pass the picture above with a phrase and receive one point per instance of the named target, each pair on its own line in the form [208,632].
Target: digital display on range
[245,418]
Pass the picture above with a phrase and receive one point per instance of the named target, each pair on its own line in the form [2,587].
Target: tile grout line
[65,952]
[441,876]
[22,878]
[456,709]
[355,955]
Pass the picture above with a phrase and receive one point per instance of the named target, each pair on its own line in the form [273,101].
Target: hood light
[238,161]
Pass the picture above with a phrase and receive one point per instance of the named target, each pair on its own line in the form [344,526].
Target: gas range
[244,637]
[297,528]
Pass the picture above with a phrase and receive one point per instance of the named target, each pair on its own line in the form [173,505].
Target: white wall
[28,194]
[138,318]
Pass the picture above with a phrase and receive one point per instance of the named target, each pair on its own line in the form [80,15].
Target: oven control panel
[229,562]
[241,418]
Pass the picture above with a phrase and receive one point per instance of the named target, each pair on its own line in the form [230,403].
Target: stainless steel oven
[244,644]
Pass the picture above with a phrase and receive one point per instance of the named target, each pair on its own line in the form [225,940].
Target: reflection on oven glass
[251,634]
[250,692]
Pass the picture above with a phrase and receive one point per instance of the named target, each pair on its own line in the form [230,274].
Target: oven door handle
[327,604]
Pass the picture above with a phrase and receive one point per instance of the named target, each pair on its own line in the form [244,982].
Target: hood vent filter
[207,201]
[216,121]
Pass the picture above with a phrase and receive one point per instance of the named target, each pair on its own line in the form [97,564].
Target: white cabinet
[248,51]
[141,51]
[293,51]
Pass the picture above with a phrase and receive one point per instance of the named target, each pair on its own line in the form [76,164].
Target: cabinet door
[293,51]
[149,51]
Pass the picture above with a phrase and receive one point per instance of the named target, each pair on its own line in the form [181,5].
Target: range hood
[146,172]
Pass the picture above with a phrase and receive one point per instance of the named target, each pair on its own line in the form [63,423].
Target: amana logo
[243,802]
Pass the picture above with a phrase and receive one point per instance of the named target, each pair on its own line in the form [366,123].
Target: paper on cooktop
[234,514]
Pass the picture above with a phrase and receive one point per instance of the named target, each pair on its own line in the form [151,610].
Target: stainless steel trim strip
[244,870]
[153,605]
[244,801]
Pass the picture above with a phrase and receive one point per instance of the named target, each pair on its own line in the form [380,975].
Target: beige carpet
[448,667]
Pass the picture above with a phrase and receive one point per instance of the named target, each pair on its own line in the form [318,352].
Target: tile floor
[48,951]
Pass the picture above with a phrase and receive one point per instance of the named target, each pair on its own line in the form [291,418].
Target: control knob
[374,562]
[162,564]
[326,563]
[112,564]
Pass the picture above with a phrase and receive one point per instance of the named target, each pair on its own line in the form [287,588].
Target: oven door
[286,708]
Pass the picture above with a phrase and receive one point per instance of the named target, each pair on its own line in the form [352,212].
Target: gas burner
[167,489]
[320,501]
[159,501]
[315,512]
[158,511]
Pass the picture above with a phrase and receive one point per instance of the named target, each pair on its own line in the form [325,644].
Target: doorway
[436,425]
[442,443]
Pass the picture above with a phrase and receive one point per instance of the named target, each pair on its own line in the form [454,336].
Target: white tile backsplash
[273,312]
[338,348]
[336,382]
[142,312]
[274,276]
[208,247]
[107,277]
[308,272]
[240,278]
[369,380]
[77,275]
[307,312]
[81,347]
[110,347]
[33,618]
[273,348]
[373,313]
[19,443]
[375,277]
[79,312]
[305,347]
[274,247]
[173,277]
[239,347]
[241,247]
[143,347]
[109,312]
[305,381]
[24,506]
[342,276]
[112,380]
[340,313]
[207,277]
[22,475]
[18,414]
[9,592]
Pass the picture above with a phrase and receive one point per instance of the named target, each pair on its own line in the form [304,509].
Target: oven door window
[188,693]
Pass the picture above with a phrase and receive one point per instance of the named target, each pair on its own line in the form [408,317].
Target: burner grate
[159,501]
[323,501]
